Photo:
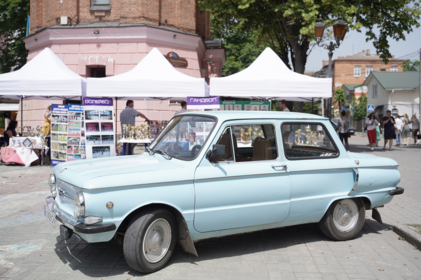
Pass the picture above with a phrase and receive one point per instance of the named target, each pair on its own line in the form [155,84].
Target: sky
[354,42]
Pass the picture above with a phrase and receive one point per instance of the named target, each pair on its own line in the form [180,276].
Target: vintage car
[212,174]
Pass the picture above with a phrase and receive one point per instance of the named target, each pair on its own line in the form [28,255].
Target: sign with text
[176,60]
[245,105]
[203,102]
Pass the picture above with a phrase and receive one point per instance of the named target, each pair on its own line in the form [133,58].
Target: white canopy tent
[268,78]
[44,77]
[152,78]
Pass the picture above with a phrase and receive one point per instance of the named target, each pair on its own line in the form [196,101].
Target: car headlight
[52,184]
[79,205]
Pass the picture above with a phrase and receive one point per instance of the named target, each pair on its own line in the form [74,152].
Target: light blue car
[212,174]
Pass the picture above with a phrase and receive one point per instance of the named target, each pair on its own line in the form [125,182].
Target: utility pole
[419,97]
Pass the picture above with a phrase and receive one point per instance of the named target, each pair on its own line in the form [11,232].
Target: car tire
[150,240]
[344,219]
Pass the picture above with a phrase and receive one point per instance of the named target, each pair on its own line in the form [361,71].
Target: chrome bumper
[74,224]
[60,217]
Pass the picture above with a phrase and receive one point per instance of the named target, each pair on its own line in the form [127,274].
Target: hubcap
[157,240]
[345,215]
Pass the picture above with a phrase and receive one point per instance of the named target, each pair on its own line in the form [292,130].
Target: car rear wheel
[344,219]
[150,240]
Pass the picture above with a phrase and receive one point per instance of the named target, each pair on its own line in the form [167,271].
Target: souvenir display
[304,136]
[142,132]
[59,130]
[76,133]
[99,129]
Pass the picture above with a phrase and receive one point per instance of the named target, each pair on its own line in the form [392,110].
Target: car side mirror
[217,149]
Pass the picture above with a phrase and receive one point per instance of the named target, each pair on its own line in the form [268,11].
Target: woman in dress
[343,124]
[389,129]
[415,128]
[405,130]
[398,129]
[47,123]
[378,133]
[371,130]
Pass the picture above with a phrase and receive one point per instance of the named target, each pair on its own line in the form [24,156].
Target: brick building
[352,70]
[101,38]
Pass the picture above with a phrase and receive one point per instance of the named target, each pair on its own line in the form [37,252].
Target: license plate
[51,217]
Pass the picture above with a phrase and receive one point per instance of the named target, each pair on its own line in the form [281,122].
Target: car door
[239,190]
[319,168]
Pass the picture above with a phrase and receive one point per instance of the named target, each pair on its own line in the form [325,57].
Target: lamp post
[339,31]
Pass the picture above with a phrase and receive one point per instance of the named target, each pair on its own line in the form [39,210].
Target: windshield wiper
[151,152]
[165,154]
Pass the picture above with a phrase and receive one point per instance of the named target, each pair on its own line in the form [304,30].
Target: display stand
[99,127]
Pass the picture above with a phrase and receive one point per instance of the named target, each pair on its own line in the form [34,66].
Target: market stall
[44,77]
[153,78]
[268,78]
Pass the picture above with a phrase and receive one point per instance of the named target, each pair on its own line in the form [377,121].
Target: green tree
[241,48]
[408,64]
[360,108]
[289,24]
[339,97]
[13,19]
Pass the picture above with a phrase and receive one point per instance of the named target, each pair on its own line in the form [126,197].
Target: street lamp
[339,31]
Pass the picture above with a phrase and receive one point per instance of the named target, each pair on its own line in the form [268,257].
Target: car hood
[124,171]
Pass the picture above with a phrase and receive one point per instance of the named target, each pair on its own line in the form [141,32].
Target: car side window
[226,140]
[307,141]
[250,142]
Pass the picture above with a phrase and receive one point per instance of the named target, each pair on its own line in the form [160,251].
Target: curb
[409,234]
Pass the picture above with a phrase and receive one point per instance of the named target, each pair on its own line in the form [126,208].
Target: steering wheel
[193,150]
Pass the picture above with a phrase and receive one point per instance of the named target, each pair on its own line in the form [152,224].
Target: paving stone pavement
[30,248]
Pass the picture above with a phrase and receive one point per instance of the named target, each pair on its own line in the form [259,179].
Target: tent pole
[21,115]
[115,137]
[312,105]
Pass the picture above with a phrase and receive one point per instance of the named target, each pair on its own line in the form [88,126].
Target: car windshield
[183,137]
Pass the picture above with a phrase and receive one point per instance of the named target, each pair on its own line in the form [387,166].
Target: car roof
[235,115]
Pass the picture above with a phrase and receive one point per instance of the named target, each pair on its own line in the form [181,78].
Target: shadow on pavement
[107,260]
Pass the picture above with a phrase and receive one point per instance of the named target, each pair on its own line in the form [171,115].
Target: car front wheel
[344,219]
[150,240]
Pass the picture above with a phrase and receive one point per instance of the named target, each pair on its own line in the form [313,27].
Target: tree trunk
[299,55]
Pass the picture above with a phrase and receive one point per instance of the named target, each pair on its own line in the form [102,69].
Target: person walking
[415,128]
[371,129]
[389,129]
[343,124]
[398,128]
[378,133]
[405,130]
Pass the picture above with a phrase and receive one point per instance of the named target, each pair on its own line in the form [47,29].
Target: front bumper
[74,224]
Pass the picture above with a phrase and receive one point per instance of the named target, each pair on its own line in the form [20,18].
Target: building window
[368,70]
[357,71]
[394,69]
[374,91]
[100,5]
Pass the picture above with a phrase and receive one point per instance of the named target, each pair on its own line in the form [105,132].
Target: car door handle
[280,167]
